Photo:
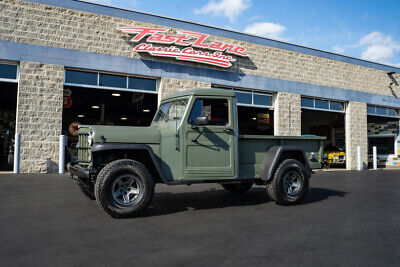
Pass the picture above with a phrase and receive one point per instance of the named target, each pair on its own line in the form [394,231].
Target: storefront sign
[220,55]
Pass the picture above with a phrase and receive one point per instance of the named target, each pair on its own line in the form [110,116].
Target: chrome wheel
[127,189]
[292,183]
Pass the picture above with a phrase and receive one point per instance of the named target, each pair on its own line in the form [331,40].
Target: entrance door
[8,105]
[210,147]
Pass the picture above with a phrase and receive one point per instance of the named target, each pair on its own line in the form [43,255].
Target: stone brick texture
[287,114]
[58,27]
[39,115]
[169,86]
[356,134]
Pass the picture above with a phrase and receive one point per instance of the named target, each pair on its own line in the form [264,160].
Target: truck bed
[252,150]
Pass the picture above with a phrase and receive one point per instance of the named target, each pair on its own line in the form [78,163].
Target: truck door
[210,139]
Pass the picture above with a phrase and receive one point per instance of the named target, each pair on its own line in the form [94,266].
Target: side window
[216,110]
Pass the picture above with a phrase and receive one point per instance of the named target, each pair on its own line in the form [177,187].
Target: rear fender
[276,154]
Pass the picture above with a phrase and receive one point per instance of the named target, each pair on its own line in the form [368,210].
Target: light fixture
[254,118]
[95,107]
[146,110]
[123,119]
[81,116]
[116,94]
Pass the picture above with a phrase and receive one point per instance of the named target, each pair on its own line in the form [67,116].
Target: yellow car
[334,157]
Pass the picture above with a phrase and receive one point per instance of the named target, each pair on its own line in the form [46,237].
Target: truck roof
[202,92]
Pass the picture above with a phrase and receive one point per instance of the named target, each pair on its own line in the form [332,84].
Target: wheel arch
[108,152]
[276,154]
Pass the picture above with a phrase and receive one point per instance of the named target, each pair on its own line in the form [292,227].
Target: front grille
[84,154]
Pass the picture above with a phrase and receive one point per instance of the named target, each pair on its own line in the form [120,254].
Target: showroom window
[8,72]
[255,114]
[8,107]
[95,98]
[321,104]
[109,81]
[382,111]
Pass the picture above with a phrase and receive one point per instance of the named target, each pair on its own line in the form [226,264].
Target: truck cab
[199,135]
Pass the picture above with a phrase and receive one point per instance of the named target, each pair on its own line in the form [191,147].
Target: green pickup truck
[193,138]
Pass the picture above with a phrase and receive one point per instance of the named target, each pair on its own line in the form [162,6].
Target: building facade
[69,62]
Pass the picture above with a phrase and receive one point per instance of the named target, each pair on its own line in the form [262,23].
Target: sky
[367,29]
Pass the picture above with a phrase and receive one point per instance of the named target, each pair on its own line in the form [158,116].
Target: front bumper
[78,171]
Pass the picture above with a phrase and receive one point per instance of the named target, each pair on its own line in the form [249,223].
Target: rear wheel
[239,188]
[124,188]
[289,184]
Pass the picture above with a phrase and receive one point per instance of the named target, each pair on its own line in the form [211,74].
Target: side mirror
[201,121]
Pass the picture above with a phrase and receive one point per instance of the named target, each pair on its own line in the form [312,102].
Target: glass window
[322,104]
[142,84]
[307,102]
[381,111]
[370,110]
[392,112]
[163,111]
[177,109]
[112,80]
[264,100]
[243,98]
[215,109]
[336,106]
[8,71]
[80,77]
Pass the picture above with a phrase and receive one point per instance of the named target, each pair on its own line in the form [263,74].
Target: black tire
[111,175]
[87,190]
[239,188]
[278,190]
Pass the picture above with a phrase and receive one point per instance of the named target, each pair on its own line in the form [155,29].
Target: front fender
[104,147]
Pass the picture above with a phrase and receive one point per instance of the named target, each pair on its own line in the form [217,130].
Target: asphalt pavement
[348,219]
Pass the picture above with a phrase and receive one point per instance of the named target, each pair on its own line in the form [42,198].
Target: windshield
[172,110]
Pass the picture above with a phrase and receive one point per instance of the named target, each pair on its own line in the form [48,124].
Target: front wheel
[124,188]
[289,184]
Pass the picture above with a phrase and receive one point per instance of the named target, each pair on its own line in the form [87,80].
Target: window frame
[16,80]
[249,91]
[387,112]
[126,88]
[322,109]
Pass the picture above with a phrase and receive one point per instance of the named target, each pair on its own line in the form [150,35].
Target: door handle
[228,130]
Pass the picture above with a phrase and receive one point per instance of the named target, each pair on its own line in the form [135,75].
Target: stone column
[356,135]
[287,114]
[170,86]
[39,116]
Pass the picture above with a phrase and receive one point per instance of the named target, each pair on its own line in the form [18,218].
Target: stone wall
[356,134]
[170,86]
[58,27]
[39,116]
[287,114]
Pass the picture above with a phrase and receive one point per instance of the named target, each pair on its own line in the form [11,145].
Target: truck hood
[125,134]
